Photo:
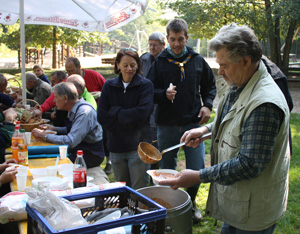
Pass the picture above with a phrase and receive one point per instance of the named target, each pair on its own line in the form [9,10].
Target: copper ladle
[149,154]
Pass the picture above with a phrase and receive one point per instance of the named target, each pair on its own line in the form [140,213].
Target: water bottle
[79,171]
[15,142]
[22,149]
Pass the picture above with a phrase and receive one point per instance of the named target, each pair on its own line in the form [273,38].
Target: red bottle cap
[17,127]
[18,122]
[79,152]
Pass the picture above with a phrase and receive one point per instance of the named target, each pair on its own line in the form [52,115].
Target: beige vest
[258,203]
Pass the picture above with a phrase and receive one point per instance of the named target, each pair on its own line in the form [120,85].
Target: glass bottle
[79,171]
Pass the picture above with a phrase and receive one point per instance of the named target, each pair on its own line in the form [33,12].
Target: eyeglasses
[131,49]
[153,45]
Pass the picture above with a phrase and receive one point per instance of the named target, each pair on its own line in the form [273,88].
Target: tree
[273,21]
[41,36]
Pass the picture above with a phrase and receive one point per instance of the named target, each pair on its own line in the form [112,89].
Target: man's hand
[185,178]
[10,114]
[53,115]
[38,133]
[191,137]
[4,165]
[8,175]
[170,93]
[37,112]
[204,114]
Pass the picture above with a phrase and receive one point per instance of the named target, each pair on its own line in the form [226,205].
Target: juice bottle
[22,149]
[15,142]
[79,171]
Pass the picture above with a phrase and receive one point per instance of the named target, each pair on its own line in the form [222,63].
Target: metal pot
[179,210]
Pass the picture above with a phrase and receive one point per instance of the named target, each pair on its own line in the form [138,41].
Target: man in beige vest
[250,153]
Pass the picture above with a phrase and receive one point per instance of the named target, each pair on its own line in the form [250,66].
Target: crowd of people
[166,96]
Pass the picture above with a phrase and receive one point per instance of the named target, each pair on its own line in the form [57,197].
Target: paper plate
[161,174]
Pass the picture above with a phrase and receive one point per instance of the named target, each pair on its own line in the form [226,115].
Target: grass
[289,223]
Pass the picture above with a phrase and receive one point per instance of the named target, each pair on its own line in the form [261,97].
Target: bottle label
[14,142]
[23,157]
[79,175]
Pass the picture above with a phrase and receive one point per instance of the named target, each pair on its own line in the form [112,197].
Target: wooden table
[35,163]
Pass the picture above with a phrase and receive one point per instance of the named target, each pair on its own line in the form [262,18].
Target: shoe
[108,169]
[196,214]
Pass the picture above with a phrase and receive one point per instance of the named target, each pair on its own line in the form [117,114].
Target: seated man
[39,72]
[6,130]
[40,89]
[82,131]
[5,100]
[94,81]
[79,83]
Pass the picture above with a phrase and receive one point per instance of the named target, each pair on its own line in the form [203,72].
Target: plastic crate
[147,221]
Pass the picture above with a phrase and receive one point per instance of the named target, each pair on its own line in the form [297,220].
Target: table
[35,163]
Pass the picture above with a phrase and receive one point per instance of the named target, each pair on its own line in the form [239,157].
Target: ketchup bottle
[79,171]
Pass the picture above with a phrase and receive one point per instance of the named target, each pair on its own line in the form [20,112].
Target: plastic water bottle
[22,149]
[79,171]
[15,142]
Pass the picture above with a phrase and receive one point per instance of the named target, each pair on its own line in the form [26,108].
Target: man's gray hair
[158,36]
[239,41]
[66,89]
[79,83]
[31,76]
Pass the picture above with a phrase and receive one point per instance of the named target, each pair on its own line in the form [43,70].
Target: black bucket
[178,204]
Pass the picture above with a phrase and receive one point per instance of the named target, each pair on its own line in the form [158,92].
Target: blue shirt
[85,127]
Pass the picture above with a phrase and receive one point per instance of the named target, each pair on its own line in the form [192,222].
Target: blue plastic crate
[149,219]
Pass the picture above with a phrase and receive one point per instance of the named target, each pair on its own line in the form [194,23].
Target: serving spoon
[149,154]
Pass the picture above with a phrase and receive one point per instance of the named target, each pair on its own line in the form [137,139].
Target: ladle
[149,154]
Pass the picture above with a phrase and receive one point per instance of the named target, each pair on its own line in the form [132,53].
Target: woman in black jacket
[124,110]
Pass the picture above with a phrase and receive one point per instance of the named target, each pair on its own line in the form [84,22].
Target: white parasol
[88,15]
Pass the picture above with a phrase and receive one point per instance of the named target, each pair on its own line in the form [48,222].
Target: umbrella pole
[22,42]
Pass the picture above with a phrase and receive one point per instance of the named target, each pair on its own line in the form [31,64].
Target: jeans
[227,229]
[129,168]
[169,136]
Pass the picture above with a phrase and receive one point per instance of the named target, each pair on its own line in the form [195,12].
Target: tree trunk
[270,31]
[288,44]
[54,49]
[19,58]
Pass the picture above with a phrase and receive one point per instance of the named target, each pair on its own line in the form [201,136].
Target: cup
[51,170]
[21,181]
[27,107]
[63,151]
[22,169]
[28,137]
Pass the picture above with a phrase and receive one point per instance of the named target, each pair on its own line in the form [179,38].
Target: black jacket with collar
[198,87]
[125,113]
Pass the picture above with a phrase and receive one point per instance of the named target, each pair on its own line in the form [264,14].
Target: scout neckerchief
[180,65]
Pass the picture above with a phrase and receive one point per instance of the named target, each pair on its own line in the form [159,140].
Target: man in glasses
[184,89]
[156,44]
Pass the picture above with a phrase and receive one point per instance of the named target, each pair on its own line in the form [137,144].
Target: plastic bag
[12,207]
[60,213]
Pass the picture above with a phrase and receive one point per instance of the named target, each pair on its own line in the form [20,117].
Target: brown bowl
[31,126]
[148,153]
